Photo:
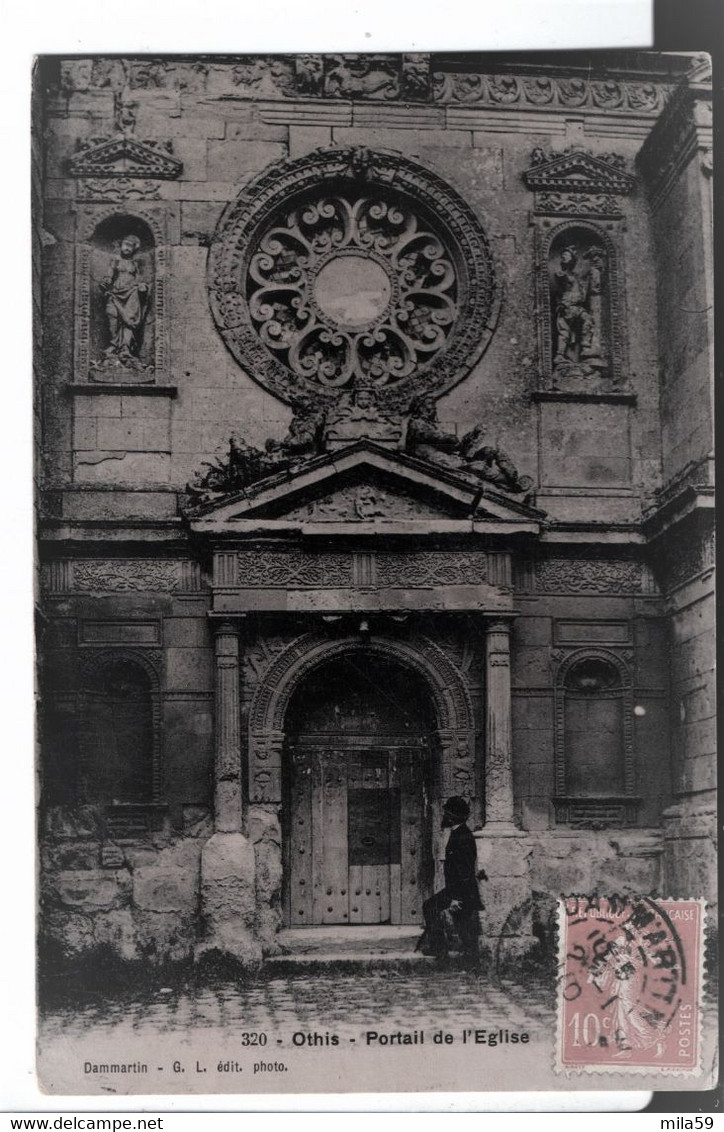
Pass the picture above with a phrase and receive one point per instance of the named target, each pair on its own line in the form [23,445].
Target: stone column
[228,890]
[503,851]
[227,777]
[498,727]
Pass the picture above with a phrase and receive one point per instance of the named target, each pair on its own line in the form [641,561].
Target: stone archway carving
[453,708]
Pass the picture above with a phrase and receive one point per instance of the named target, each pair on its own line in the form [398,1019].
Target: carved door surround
[455,732]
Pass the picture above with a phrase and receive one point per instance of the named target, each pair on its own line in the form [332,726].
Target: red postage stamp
[629,984]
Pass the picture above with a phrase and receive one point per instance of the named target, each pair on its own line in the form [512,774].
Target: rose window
[352,289]
[339,270]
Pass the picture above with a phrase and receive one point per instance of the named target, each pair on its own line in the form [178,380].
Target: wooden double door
[359,838]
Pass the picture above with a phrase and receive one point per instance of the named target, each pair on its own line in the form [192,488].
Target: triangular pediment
[109,157]
[366,486]
[578,171]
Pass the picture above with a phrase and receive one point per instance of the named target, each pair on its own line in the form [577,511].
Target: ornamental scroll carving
[123,575]
[289,568]
[348,288]
[432,568]
[293,568]
[349,269]
[541,90]
[582,575]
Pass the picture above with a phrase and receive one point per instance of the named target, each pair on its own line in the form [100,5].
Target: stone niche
[121,322]
[120,296]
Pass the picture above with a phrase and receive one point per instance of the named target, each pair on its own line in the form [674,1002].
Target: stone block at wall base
[506,924]
[266,835]
[228,900]
[690,861]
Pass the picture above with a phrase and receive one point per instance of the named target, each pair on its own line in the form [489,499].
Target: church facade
[375,466]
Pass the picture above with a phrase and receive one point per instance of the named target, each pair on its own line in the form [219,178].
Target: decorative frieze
[432,568]
[376,77]
[577,204]
[293,568]
[117,189]
[119,575]
[543,91]
[574,575]
[289,569]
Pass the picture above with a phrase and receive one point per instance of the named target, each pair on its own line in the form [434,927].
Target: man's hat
[456,807]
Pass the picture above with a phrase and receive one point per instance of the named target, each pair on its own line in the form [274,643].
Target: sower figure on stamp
[460,896]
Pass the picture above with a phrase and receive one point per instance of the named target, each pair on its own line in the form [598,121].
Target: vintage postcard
[375,552]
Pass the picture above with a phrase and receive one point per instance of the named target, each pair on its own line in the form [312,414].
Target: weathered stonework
[494,475]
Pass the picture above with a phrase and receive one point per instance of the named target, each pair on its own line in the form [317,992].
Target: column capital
[499,622]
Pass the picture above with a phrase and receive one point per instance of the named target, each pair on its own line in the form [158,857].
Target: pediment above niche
[111,157]
[579,172]
[369,487]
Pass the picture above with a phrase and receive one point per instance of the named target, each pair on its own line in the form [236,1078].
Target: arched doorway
[357,788]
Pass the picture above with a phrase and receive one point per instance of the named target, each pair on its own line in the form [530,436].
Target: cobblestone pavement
[386,999]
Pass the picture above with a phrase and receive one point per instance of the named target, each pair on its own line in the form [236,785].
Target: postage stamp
[630,984]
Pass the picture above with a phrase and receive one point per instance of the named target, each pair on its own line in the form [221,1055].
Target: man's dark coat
[460,870]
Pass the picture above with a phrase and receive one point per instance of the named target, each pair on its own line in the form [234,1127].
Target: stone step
[346,945]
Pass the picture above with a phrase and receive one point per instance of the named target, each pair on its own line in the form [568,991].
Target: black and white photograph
[374,466]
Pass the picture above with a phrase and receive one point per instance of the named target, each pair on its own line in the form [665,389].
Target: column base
[500,829]
[507,892]
[228,900]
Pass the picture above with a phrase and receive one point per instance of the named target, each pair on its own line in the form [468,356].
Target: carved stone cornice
[124,157]
[683,129]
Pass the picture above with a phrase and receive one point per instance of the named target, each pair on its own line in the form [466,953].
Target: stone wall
[609,459]
[226,131]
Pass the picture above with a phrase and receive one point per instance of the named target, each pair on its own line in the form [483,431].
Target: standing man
[460,896]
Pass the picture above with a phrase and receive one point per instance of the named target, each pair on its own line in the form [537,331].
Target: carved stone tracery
[292,255]
[348,288]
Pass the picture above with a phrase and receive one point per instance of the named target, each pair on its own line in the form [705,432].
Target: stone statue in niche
[126,297]
[579,309]
[427,440]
